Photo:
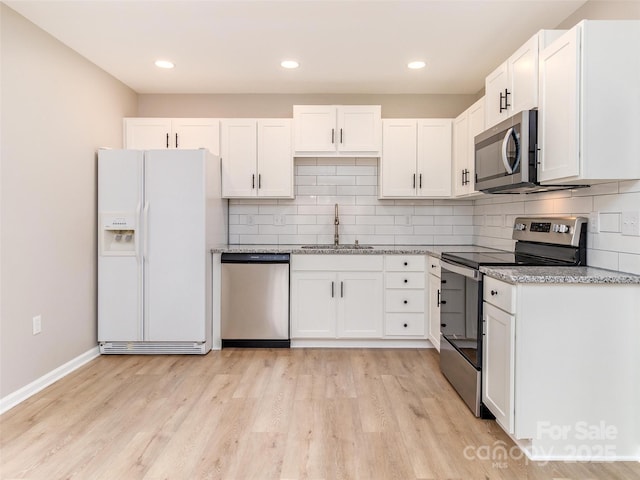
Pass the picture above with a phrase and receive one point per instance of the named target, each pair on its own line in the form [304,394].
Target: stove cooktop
[478,259]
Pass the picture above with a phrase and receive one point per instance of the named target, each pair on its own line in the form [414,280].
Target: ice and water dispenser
[118,234]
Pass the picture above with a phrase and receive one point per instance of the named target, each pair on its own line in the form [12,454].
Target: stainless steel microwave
[506,155]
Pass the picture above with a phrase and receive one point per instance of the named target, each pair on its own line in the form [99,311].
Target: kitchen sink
[354,246]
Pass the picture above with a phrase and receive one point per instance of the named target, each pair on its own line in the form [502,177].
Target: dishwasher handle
[255,258]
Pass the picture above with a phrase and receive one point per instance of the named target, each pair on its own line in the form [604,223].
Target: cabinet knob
[406,263]
[406,281]
[406,301]
[494,293]
[405,325]
[443,325]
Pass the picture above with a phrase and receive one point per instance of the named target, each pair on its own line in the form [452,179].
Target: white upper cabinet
[588,119]
[513,86]
[343,130]
[416,158]
[468,124]
[181,133]
[256,158]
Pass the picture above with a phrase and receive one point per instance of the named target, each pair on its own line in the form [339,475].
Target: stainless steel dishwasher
[255,300]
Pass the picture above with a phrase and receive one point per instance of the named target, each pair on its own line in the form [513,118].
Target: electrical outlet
[631,223]
[278,219]
[594,222]
[37,324]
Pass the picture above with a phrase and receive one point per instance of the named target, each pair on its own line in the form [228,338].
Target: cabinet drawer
[433,266]
[405,301]
[404,280]
[404,324]
[500,294]
[404,263]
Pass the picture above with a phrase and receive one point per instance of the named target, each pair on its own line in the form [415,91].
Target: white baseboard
[13,399]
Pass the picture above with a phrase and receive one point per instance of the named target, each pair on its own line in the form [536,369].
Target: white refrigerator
[159,213]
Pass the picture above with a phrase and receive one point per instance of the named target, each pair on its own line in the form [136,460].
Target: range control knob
[559,228]
[520,227]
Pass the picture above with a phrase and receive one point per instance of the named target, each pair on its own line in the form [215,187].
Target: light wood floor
[263,414]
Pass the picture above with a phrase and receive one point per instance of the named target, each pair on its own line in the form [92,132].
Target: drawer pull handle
[494,293]
[406,281]
[433,266]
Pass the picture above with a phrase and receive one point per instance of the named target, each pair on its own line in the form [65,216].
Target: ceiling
[356,46]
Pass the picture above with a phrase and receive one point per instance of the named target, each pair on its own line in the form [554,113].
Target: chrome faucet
[336,222]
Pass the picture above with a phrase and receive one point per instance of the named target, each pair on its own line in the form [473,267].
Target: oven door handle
[465,271]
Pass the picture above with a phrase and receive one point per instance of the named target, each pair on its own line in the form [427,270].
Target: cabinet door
[523,77]
[558,121]
[189,133]
[239,155]
[434,158]
[460,153]
[434,310]
[313,304]
[476,127]
[147,133]
[398,161]
[359,129]
[314,128]
[360,306]
[498,365]
[495,85]
[275,158]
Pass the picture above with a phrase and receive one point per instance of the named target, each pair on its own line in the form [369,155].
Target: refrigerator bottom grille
[153,348]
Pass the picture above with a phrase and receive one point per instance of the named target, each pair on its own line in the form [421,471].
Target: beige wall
[280,106]
[603,10]
[57,109]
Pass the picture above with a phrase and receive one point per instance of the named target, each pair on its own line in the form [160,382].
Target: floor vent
[153,348]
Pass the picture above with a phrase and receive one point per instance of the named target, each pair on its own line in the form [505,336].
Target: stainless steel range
[540,241]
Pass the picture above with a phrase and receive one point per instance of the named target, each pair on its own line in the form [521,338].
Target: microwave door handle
[505,160]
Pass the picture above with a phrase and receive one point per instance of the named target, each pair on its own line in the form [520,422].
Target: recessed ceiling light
[289,64]
[164,64]
[416,65]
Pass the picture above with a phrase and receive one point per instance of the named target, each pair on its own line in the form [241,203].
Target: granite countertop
[435,250]
[556,275]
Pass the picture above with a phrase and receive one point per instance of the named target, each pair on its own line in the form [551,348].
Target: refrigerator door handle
[137,233]
[145,216]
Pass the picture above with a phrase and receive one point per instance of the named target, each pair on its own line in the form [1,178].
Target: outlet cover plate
[631,223]
[37,324]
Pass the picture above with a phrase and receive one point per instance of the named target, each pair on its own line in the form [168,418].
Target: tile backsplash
[320,183]
[493,217]
[485,220]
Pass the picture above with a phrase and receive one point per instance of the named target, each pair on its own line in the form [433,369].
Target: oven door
[460,311]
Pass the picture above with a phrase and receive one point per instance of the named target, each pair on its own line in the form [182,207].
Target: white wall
[281,106]
[57,109]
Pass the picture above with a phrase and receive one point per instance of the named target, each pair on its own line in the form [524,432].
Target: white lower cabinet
[498,361]
[336,296]
[433,301]
[313,305]
[405,296]
[359,297]
[558,374]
